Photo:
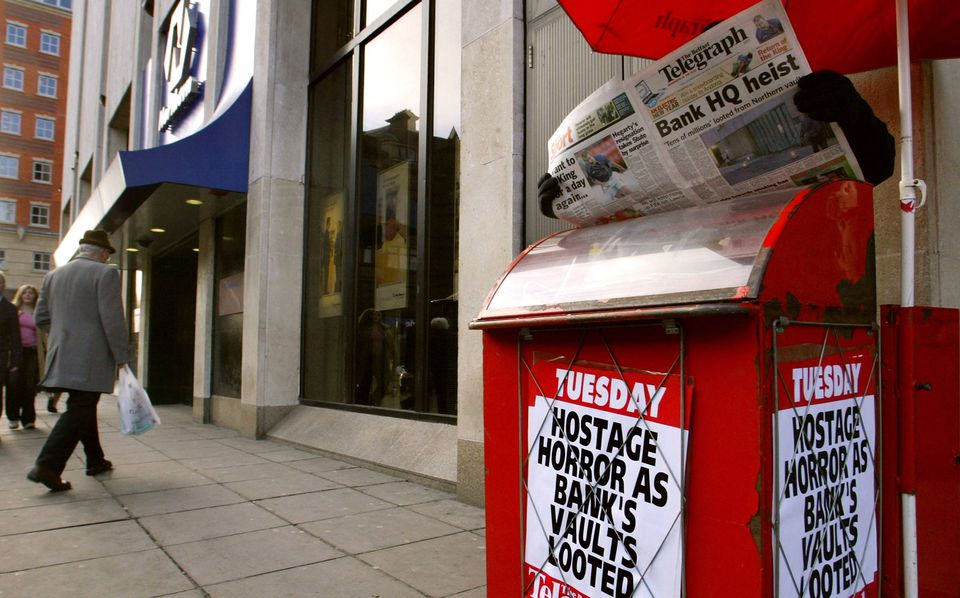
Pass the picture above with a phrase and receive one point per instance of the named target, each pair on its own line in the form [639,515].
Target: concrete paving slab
[255,447]
[150,469]
[178,499]
[134,457]
[32,495]
[226,459]
[314,506]
[436,567]
[475,593]
[243,555]
[139,574]
[376,530]
[357,476]
[190,449]
[320,465]
[151,483]
[208,523]
[289,454]
[294,483]
[38,549]
[406,493]
[340,577]
[69,514]
[241,473]
[462,515]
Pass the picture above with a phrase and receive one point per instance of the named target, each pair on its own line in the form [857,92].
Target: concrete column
[203,324]
[491,199]
[275,203]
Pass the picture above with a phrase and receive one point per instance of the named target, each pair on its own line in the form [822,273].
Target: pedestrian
[9,352]
[80,306]
[24,379]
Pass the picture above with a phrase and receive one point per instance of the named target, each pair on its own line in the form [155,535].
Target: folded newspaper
[711,121]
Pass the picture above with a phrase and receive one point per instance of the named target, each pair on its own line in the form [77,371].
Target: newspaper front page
[711,121]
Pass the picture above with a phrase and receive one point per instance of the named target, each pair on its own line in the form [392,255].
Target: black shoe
[51,406]
[49,479]
[100,468]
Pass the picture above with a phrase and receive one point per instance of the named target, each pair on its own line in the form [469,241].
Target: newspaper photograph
[711,121]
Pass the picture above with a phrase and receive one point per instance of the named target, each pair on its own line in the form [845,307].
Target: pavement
[196,510]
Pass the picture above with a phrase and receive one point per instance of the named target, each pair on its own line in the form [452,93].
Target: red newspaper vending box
[688,404]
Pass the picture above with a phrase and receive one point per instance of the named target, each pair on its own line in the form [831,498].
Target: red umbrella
[846,36]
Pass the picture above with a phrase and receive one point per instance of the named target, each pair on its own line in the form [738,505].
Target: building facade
[33,100]
[313,198]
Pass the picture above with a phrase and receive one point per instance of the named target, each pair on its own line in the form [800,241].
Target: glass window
[3,258]
[47,86]
[13,78]
[41,261]
[374,8]
[66,4]
[332,28]
[8,211]
[228,318]
[40,215]
[9,167]
[45,128]
[10,122]
[385,361]
[325,332]
[16,35]
[42,171]
[366,287]
[49,43]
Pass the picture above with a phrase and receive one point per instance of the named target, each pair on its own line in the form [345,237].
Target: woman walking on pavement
[24,379]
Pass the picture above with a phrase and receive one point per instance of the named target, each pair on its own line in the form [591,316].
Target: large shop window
[381,296]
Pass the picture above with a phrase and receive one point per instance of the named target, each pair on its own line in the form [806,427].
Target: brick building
[33,98]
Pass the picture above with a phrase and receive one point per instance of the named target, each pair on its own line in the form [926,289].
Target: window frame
[10,68]
[47,77]
[44,259]
[12,113]
[39,210]
[41,162]
[49,35]
[22,28]
[16,159]
[36,127]
[7,202]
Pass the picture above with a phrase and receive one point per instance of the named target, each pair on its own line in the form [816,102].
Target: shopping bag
[136,412]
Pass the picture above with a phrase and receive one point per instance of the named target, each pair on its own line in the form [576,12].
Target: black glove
[830,97]
[548,188]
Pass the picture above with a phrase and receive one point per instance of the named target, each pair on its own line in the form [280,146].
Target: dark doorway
[173,309]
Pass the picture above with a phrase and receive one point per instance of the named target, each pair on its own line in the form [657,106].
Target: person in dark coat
[80,305]
[9,353]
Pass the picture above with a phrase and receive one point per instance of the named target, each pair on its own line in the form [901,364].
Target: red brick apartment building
[35,54]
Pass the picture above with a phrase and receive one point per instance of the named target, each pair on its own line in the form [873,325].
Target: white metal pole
[908,202]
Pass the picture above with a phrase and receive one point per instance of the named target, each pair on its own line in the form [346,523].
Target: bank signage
[181,61]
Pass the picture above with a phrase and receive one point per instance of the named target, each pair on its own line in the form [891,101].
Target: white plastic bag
[136,412]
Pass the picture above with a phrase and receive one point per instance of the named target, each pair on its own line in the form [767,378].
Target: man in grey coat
[80,306]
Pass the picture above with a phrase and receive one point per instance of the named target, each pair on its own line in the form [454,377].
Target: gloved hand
[830,97]
[548,188]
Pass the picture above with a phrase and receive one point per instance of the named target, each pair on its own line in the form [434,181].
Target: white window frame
[16,159]
[46,36]
[3,258]
[42,258]
[41,162]
[38,212]
[22,27]
[9,68]
[6,112]
[8,203]
[47,119]
[41,78]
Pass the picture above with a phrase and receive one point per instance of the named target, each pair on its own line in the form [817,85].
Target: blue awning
[217,156]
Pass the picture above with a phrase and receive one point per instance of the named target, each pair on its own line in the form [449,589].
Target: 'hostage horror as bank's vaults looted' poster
[603,515]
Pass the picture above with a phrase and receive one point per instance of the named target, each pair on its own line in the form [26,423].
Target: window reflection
[375,8]
[386,327]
